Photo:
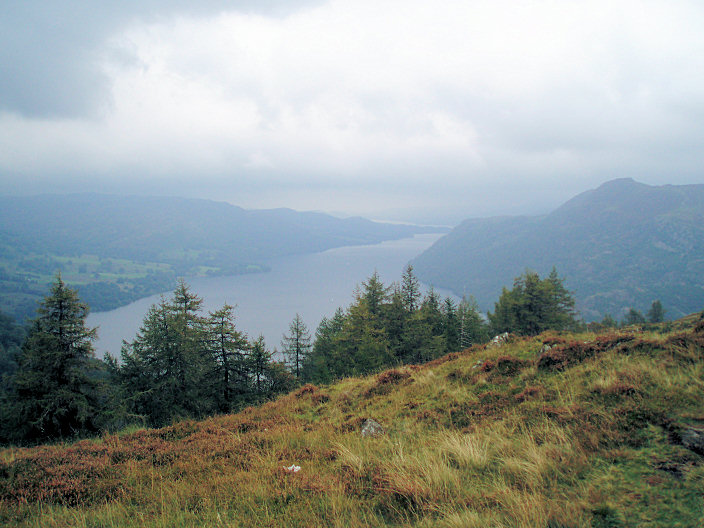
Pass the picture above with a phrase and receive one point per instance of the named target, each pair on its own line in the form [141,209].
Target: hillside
[622,245]
[553,431]
[120,248]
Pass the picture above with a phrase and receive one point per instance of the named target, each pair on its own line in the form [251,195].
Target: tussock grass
[583,434]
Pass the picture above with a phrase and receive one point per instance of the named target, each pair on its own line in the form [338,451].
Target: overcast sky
[400,110]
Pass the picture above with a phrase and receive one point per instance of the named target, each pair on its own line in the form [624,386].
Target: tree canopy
[534,305]
[53,394]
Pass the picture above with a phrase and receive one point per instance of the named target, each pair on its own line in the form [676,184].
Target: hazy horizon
[399,111]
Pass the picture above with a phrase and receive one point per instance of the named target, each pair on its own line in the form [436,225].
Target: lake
[313,286]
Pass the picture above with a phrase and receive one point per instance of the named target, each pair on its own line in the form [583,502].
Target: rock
[498,340]
[693,439]
[372,428]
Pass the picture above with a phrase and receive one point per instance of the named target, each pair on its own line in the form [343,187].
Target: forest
[186,364]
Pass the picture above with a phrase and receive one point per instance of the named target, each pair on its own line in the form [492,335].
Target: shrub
[505,365]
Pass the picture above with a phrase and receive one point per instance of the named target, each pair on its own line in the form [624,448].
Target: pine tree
[656,314]
[473,329]
[504,318]
[296,345]
[363,346]
[432,314]
[375,294]
[410,290]
[608,321]
[12,335]
[561,312]
[450,325]
[633,317]
[260,359]
[533,306]
[54,394]
[325,362]
[165,370]
[229,348]
[395,321]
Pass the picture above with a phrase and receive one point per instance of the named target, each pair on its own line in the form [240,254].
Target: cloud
[376,107]
[51,51]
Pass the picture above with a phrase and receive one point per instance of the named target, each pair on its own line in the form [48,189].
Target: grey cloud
[50,50]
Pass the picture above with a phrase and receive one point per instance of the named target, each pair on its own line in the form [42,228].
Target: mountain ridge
[621,245]
[117,249]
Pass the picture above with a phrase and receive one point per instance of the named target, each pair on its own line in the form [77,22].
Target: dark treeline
[181,364]
[390,325]
[186,364]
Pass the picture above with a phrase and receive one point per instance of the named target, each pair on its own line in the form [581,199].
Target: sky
[410,110]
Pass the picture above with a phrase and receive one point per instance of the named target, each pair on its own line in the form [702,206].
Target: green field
[104,283]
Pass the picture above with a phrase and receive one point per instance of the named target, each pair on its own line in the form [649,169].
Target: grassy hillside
[553,431]
[622,245]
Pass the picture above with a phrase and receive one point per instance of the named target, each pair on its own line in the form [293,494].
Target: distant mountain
[622,245]
[119,248]
[159,228]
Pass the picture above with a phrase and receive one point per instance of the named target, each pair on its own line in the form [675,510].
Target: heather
[559,429]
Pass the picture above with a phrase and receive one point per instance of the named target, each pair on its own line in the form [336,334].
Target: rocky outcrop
[372,428]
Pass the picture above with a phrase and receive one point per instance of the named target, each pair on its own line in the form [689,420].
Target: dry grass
[499,437]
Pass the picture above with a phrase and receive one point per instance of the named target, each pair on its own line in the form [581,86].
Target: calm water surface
[312,285]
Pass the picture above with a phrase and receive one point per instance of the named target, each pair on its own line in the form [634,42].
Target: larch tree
[229,348]
[375,294]
[260,360]
[533,306]
[656,313]
[296,345]
[54,395]
[410,290]
[165,369]
[472,327]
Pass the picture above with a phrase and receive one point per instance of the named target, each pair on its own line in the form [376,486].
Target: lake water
[312,285]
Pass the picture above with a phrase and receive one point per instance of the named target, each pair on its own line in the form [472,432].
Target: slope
[552,431]
[159,228]
[120,248]
[622,245]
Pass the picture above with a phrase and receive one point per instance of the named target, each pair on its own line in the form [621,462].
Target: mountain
[160,228]
[551,431]
[116,249]
[621,245]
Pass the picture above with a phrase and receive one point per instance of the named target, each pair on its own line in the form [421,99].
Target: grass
[584,434]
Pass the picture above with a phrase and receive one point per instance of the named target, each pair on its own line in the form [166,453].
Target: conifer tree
[296,345]
[432,314]
[633,317]
[473,328]
[260,359]
[375,294]
[54,394]
[229,348]
[395,322]
[608,321]
[12,336]
[450,325]
[165,369]
[656,314]
[363,346]
[533,306]
[410,290]
[325,362]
